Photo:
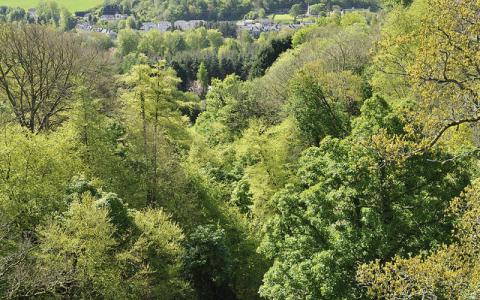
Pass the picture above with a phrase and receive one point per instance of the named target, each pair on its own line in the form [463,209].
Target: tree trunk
[155,153]
[145,150]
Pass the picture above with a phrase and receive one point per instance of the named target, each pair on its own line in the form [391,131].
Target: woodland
[336,161]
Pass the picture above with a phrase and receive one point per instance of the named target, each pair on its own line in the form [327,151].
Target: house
[181,24]
[255,28]
[185,25]
[161,26]
[196,23]
[121,17]
[115,17]
[107,18]
[266,22]
[245,23]
[32,13]
[86,27]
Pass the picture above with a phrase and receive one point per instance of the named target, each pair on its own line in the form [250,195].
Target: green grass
[71,5]
[287,19]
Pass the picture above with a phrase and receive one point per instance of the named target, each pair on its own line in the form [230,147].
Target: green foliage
[208,262]
[66,21]
[16,15]
[202,76]
[157,138]
[353,203]
[84,237]
[324,171]
[99,248]
[268,54]
[34,170]
[337,48]
[216,10]
[317,9]
[393,3]
[128,41]
[322,104]
[295,11]
[451,271]
[186,50]
[228,110]
[48,12]
[241,196]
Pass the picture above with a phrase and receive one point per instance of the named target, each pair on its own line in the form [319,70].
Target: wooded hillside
[334,161]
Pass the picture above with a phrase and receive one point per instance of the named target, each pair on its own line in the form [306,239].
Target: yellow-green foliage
[452,272]
[34,171]
[427,53]
[340,49]
[82,245]
[72,5]
[89,255]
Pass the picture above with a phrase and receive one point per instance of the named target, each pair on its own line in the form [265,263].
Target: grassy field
[286,18]
[71,5]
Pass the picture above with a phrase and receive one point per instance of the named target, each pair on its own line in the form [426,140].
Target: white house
[185,25]
[161,26]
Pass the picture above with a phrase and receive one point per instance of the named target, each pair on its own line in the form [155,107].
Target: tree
[295,11]
[128,41]
[261,13]
[208,262]
[174,42]
[130,23]
[100,248]
[451,271]
[215,38]
[16,14]
[392,3]
[103,147]
[196,38]
[151,44]
[34,173]
[328,4]
[268,54]
[38,79]
[229,57]
[202,77]
[353,203]
[317,9]
[66,21]
[323,103]
[438,61]
[228,110]
[48,12]
[152,99]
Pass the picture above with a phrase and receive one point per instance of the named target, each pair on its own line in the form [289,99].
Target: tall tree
[356,200]
[127,41]
[202,77]
[38,71]
[435,52]
[152,95]
[295,11]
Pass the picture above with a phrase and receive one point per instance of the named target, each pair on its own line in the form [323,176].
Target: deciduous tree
[38,72]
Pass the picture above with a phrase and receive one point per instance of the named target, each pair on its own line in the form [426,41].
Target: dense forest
[335,161]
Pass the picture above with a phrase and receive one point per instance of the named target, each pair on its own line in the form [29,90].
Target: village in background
[109,20]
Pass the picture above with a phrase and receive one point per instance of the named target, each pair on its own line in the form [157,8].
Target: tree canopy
[334,161]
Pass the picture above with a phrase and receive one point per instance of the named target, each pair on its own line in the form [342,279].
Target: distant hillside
[72,5]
